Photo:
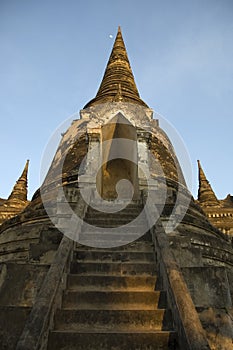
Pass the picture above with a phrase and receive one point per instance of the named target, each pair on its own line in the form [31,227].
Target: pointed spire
[118,73]
[206,195]
[19,191]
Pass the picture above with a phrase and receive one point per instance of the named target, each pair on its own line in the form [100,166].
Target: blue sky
[53,55]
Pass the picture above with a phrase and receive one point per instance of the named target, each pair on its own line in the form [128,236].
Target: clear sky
[53,55]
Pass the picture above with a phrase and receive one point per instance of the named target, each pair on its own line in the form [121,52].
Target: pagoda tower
[218,211]
[17,200]
[113,252]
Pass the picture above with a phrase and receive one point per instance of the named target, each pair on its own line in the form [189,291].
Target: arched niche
[113,170]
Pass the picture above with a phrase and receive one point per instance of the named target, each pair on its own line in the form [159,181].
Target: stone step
[122,268]
[117,206]
[114,216]
[109,222]
[152,340]
[126,237]
[99,300]
[104,243]
[142,226]
[109,320]
[96,236]
[141,245]
[124,256]
[111,283]
[130,214]
[114,210]
[100,232]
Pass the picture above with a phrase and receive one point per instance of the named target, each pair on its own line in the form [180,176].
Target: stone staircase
[114,234]
[111,301]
